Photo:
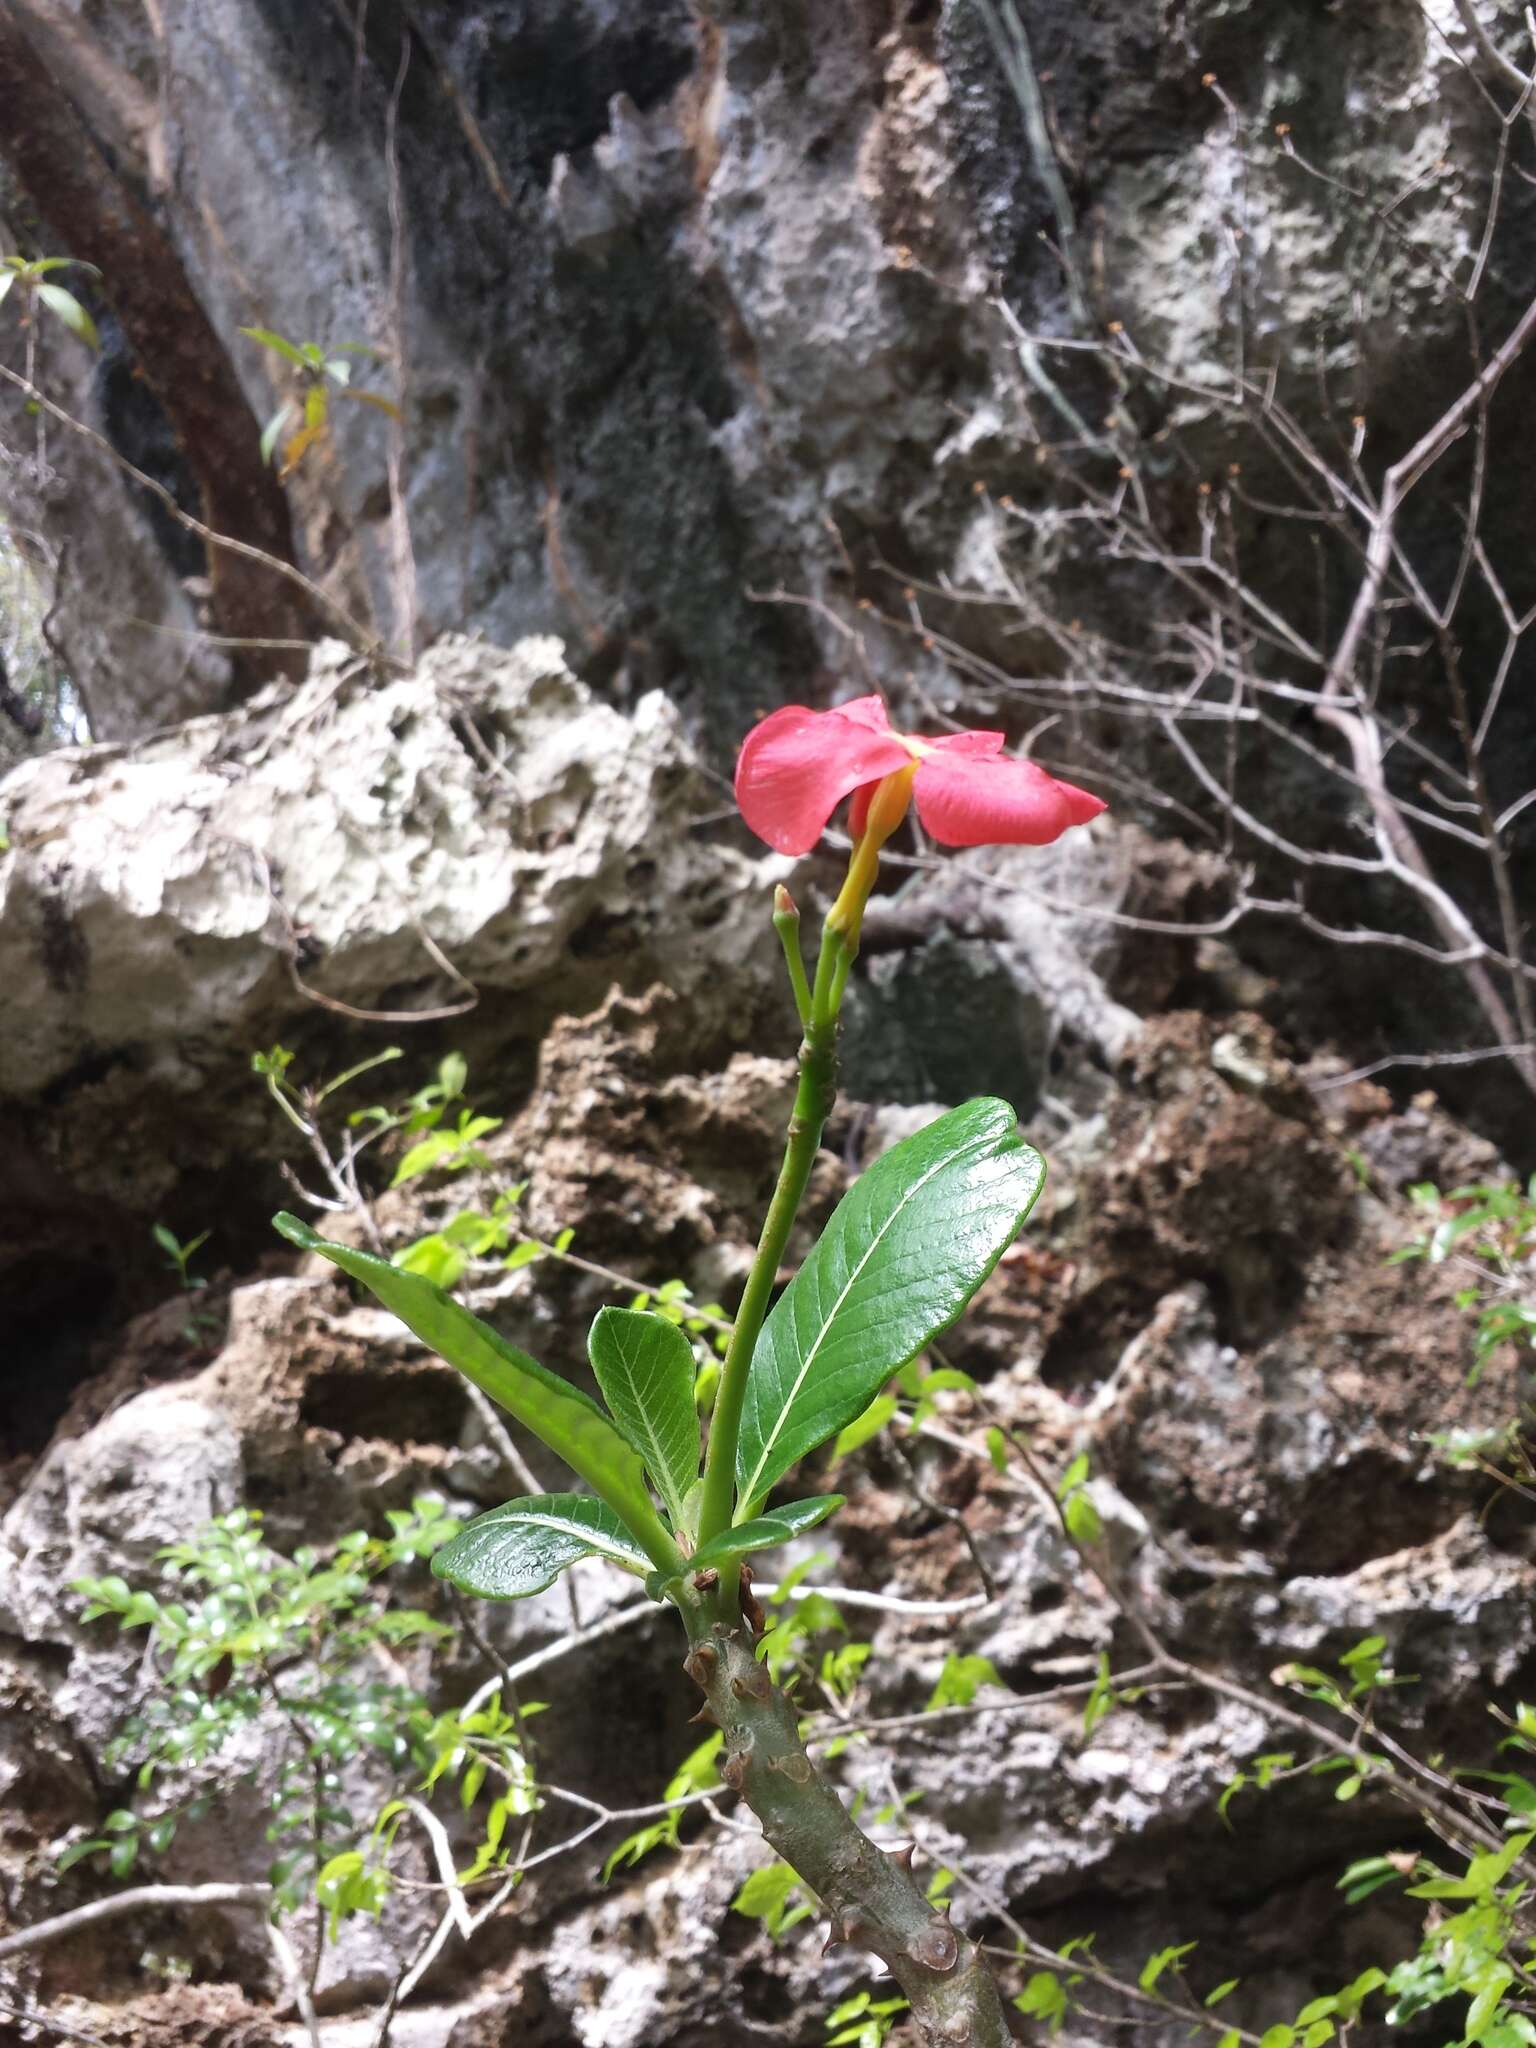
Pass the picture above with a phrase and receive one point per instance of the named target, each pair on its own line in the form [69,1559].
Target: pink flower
[798,765]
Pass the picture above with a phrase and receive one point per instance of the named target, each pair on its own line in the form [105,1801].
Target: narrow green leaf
[72,1855]
[906,1248]
[863,1427]
[436,1258]
[373,398]
[524,1546]
[1165,1959]
[764,1531]
[276,343]
[560,1415]
[1082,1519]
[66,307]
[960,1680]
[645,1369]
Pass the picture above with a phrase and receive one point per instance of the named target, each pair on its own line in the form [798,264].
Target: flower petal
[971,800]
[969,743]
[952,743]
[868,711]
[797,766]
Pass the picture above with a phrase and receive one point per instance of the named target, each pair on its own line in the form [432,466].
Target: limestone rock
[160,903]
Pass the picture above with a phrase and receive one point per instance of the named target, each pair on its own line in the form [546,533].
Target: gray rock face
[691,304]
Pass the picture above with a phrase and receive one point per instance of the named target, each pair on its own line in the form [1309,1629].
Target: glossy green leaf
[560,1415]
[76,1852]
[645,1369]
[524,1546]
[764,1531]
[66,307]
[906,1248]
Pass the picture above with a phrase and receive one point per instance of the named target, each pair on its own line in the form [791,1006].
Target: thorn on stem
[902,1857]
[733,1770]
[700,1663]
[753,1684]
[848,1929]
[705,1717]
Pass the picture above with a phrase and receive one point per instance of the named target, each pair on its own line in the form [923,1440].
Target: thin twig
[293,1977]
[142,1898]
[358,636]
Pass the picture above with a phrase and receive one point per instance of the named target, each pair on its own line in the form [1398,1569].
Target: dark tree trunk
[96,216]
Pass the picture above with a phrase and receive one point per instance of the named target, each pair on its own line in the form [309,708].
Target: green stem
[787,924]
[868,1891]
[813,1103]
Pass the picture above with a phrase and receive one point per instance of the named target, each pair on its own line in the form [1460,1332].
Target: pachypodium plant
[903,1254]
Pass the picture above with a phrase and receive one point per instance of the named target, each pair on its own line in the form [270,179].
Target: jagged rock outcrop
[481,838]
[693,303]
[1262,1499]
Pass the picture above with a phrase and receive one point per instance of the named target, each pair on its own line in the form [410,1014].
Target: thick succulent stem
[813,1102]
[868,1892]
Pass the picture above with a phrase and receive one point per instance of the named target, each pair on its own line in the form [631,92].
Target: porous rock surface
[480,837]
[1261,1502]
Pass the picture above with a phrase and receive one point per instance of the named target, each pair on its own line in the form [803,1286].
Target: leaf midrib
[749,1493]
[659,1464]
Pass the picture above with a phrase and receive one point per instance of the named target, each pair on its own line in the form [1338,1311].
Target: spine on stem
[868,1892]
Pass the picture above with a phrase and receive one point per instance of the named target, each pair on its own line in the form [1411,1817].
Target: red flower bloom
[798,765]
